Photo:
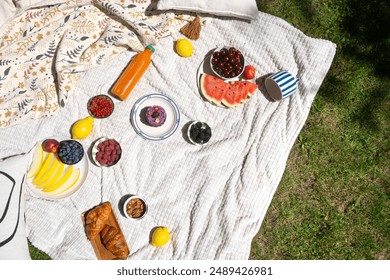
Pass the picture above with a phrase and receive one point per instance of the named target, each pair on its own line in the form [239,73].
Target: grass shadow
[367,24]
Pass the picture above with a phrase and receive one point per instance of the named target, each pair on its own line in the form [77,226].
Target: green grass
[37,254]
[333,200]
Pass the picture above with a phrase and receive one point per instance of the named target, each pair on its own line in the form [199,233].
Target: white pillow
[244,9]
[13,241]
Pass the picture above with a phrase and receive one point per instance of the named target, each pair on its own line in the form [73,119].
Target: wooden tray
[101,252]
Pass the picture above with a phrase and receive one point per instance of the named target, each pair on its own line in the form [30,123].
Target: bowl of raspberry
[106,152]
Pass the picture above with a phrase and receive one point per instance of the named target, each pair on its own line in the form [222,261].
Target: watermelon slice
[229,94]
[212,88]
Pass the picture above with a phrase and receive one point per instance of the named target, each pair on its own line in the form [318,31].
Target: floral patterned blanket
[46,47]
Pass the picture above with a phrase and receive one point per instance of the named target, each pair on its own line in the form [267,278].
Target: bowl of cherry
[227,62]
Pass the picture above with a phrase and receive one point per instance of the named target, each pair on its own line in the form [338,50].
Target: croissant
[114,242]
[96,219]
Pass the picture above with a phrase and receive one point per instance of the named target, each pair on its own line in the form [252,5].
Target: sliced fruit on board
[37,159]
[236,94]
[215,88]
[246,88]
[230,94]
[63,178]
[49,161]
[232,97]
[53,177]
[69,183]
[50,171]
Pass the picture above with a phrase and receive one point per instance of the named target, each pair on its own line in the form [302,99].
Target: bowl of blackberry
[199,133]
[70,151]
[227,62]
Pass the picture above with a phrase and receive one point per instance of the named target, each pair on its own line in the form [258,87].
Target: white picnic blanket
[213,198]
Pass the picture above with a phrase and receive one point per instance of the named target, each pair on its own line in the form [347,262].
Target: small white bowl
[242,61]
[189,135]
[95,150]
[132,197]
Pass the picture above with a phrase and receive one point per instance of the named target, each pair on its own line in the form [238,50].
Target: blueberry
[70,152]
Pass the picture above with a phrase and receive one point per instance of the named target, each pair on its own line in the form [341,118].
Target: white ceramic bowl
[215,71]
[95,150]
[125,207]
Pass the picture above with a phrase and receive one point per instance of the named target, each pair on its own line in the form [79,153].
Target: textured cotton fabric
[212,198]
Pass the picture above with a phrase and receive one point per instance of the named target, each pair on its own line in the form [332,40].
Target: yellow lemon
[160,236]
[82,128]
[184,47]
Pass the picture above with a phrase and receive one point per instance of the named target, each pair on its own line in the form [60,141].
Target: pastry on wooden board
[114,242]
[96,219]
[104,233]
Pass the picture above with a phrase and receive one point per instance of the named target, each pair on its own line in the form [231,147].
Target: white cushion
[13,241]
[244,9]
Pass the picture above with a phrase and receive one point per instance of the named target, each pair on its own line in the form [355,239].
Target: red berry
[100,106]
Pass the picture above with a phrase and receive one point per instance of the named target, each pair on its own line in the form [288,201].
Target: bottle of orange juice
[133,73]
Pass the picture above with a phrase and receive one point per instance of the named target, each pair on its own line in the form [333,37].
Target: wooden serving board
[101,252]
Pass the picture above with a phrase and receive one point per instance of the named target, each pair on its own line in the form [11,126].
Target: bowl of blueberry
[199,133]
[227,62]
[70,151]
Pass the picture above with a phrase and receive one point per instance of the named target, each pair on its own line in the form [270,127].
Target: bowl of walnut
[135,208]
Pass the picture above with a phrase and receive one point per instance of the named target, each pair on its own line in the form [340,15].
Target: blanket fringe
[192,29]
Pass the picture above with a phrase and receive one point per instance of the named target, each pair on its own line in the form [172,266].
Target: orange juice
[132,74]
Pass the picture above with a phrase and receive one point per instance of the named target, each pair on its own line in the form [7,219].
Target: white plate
[82,165]
[205,68]
[138,120]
